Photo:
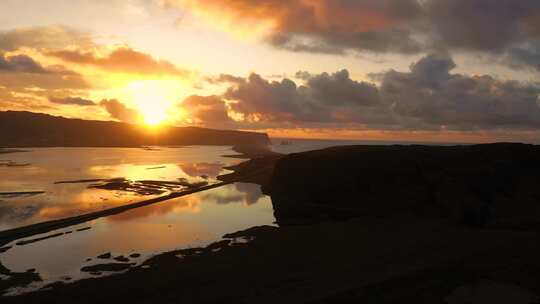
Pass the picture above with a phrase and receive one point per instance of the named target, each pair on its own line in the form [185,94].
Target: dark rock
[472,184]
[104,256]
[121,258]
[113,267]
[134,255]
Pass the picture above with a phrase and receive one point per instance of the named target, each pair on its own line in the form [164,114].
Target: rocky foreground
[477,185]
[397,224]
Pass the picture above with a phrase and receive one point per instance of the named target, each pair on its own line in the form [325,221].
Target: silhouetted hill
[477,184]
[26,129]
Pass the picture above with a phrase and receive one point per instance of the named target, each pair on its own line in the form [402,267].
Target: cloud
[50,37]
[224,78]
[430,96]
[320,25]
[119,111]
[20,63]
[499,28]
[484,25]
[124,59]
[78,101]
[323,98]
[524,57]
[427,97]
[20,72]
[207,110]
[23,99]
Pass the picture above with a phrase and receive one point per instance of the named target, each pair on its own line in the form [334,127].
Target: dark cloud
[486,25]
[20,63]
[50,37]
[431,97]
[499,28]
[427,97]
[324,26]
[340,89]
[78,101]
[224,78]
[123,59]
[388,41]
[207,110]
[119,111]
[524,57]
[18,72]
[23,76]
[324,97]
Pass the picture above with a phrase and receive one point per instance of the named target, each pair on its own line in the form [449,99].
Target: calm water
[50,165]
[193,220]
[287,146]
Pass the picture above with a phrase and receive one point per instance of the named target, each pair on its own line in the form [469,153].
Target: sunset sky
[441,70]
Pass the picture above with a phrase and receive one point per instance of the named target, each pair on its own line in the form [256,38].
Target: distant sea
[295,145]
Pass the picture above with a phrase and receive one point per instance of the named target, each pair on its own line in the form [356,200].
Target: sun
[154,99]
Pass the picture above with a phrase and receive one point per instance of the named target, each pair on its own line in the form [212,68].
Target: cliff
[26,129]
[478,184]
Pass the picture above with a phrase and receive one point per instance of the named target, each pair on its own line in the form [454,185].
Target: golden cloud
[123,60]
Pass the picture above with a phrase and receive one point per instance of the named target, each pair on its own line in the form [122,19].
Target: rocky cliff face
[26,129]
[478,185]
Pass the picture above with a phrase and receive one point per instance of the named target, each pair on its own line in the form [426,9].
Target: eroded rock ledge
[493,184]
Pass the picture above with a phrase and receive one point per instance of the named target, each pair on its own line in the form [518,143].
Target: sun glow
[154,99]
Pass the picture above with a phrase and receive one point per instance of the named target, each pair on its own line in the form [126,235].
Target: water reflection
[193,220]
[50,165]
[202,169]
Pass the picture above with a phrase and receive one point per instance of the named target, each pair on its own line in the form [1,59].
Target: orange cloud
[207,110]
[50,37]
[124,60]
[120,111]
[330,26]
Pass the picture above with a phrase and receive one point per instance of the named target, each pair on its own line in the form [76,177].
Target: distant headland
[27,129]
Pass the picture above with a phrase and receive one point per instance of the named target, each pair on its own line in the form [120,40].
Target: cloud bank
[507,29]
[427,97]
